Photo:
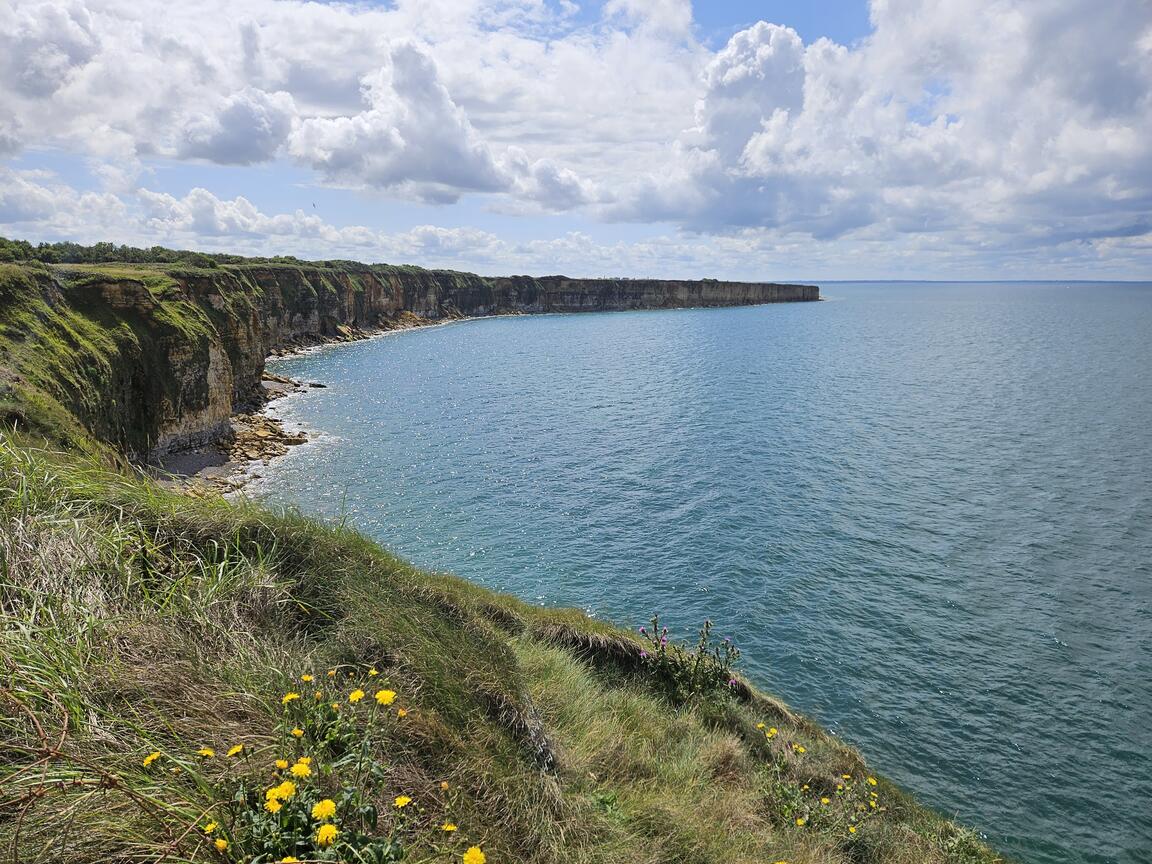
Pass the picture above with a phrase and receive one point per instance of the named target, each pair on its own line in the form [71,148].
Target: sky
[771,140]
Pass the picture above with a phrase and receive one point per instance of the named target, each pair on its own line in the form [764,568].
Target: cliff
[148,358]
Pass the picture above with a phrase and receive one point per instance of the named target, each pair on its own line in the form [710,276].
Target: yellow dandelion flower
[851,829]
[871,781]
[281,764]
[401,713]
[845,776]
[331,673]
[318,695]
[474,856]
[324,810]
[402,801]
[305,760]
[839,787]
[801,821]
[326,835]
[150,758]
[289,697]
[759,725]
[443,785]
[300,770]
[372,673]
[355,696]
[210,827]
[206,752]
[385,697]
[289,859]
[236,751]
[825,800]
[297,732]
[282,792]
[307,679]
[273,805]
[176,770]
[801,749]
[872,804]
[221,844]
[447,826]
[335,706]
[772,732]
[804,788]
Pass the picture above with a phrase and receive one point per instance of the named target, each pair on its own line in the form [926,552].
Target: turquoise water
[924,512]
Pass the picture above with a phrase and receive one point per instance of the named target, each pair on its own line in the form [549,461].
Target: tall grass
[135,621]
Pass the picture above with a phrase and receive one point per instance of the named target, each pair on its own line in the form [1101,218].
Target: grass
[134,621]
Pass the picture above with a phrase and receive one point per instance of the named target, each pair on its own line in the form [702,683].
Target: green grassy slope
[138,626]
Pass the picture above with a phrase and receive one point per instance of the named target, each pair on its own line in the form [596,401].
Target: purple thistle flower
[663,640]
[731,682]
[643,631]
[643,655]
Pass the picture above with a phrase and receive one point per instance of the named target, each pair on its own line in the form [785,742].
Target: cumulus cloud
[981,126]
[249,126]
[413,136]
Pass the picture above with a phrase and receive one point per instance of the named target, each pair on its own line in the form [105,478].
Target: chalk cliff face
[150,359]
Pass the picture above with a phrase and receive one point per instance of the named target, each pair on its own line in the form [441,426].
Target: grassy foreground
[153,707]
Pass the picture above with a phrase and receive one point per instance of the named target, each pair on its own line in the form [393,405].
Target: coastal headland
[156,358]
[188,678]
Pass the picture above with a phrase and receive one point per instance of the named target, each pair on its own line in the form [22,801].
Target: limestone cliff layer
[151,358]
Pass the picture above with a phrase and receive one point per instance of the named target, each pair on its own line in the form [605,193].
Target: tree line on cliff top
[104,253]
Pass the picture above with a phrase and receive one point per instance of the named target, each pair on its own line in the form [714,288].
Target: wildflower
[731,682]
[372,673]
[301,770]
[221,844]
[851,829]
[772,733]
[176,769]
[326,835]
[206,752]
[799,748]
[401,713]
[474,856]
[800,822]
[289,859]
[448,826]
[281,764]
[385,697]
[282,792]
[355,696]
[150,758]
[305,760]
[825,800]
[324,810]
[804,788]
[871,781]
[402,801]
[210,827]
[331,673]
[759,725]
[273,805]
[845,776]
[443,785]
[297,732]
[289,697]
[335,706]
[318,695]
[643,655]
[872,803]
[307,679]
[236,751]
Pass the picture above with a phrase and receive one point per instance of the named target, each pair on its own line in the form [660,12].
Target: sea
[923,511]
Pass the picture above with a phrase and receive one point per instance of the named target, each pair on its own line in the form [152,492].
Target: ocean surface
[923,511]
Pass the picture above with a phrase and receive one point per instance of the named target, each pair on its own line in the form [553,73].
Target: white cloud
[412,137]
[249,126]
[983,126]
